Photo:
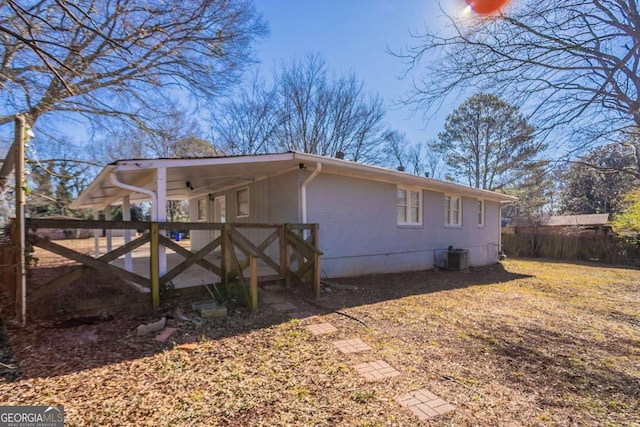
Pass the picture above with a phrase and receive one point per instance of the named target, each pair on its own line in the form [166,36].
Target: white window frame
[449,217]
[408,206]
[248,202]
[202,208]
[481,213]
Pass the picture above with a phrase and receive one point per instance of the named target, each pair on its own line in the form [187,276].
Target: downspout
[128,264]
[154,198]
[303,191]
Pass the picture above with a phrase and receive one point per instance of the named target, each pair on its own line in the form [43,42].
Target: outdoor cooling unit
[457,259]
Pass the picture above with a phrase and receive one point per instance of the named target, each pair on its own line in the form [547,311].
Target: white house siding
[359,232]
[272,200]
[199,238]
[283,197]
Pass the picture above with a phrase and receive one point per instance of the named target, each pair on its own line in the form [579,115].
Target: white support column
[109,232]
[126,216]
[161,212]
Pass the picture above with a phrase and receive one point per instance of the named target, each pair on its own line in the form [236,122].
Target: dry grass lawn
[525,343]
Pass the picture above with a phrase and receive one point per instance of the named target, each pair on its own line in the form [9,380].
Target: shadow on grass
[44,350]
[560,366]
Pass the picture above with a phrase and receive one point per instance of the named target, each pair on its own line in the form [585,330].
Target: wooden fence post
[316,260]
[282,238]
[224,270]
[154,264]
[253,281]
[284,255]
[20,184]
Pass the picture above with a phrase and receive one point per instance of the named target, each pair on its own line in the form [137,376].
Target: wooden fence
[297,260]
[587,247]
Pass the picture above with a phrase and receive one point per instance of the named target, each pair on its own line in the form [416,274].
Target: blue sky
[353,36]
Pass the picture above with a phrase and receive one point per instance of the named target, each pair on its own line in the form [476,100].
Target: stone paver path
[351,346]
[321,328]
[374,371]
[424,404]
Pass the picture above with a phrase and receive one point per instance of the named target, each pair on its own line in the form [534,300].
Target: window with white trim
[202,209]
[409,206]
[452,210]
[481,213]
[242,202]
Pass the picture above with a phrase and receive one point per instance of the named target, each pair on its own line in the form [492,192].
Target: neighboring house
[372,219]
[560,224]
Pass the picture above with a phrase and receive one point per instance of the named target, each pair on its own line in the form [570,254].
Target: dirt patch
[525,344]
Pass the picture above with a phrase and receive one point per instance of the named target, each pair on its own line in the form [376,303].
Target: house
[560,224]
[371,219]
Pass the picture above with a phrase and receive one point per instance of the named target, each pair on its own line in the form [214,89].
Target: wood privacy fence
[290,252]
[588,247]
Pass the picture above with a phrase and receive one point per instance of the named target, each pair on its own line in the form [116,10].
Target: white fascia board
[392,176]
[125,165]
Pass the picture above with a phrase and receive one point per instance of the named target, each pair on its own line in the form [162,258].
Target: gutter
[303,191]
[154,198]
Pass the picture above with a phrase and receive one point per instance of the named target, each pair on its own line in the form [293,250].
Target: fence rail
[297,259]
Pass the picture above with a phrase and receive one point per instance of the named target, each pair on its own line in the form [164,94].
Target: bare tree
[116,58]
[249,121]
[172,135]
[396,148]
[322,113]
[571,62]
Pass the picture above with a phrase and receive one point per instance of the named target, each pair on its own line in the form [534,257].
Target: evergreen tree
[488,143]
[596,183]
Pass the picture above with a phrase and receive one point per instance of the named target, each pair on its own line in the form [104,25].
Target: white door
[220,209]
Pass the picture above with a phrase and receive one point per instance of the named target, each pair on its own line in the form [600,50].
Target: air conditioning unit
[457,259]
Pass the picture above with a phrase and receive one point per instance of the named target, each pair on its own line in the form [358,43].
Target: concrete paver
[269,298]
[424,404]
[351,346]
[374,371]
[285,306]
[321,328]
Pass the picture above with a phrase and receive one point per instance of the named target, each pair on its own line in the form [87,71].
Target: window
[242,200]
[480,213]
[409,207]
[202,209]
[452,210]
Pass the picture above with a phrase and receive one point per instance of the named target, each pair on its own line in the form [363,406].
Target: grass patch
[522,343]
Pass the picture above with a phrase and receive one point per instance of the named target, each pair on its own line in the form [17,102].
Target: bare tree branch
[571,63]
[117,57]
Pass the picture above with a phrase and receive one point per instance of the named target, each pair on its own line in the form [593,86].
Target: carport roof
[206,175]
